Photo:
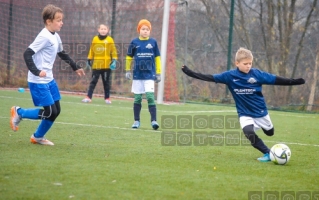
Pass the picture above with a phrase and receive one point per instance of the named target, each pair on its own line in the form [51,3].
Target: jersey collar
[141,38]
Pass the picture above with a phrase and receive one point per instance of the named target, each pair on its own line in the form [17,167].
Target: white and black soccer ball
[280,154]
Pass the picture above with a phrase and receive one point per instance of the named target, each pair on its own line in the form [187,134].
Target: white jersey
[46,46]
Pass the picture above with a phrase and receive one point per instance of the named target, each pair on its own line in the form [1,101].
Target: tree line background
[283,36]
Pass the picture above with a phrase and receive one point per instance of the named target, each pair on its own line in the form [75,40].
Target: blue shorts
[44,94]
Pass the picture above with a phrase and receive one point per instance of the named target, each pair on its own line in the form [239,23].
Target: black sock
[152,109]
[255,141]
[137,110]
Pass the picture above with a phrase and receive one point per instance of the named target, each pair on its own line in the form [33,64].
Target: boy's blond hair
[103,25]
[49,12]
[243,53]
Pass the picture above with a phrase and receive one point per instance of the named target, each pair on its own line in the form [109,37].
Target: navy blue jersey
[247,90]
[144,53]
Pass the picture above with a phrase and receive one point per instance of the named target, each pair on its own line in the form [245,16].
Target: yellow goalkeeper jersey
[102,52]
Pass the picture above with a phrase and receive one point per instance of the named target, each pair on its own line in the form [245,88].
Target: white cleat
[42,141]
[15,118]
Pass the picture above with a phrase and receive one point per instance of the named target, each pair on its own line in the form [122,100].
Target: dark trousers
[106,75]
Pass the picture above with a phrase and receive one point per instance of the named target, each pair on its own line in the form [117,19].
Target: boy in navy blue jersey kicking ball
[146,70]
[39,58]
[245,84]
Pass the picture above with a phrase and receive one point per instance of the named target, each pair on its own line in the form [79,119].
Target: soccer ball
[280,154]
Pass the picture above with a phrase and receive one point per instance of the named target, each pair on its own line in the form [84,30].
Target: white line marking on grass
[168,111]
[164,111]
[130,108]
[15,98]
[107,127]
[296,115]
[91,125]
[293,143]
[121,128]
[159,110]
[199,111]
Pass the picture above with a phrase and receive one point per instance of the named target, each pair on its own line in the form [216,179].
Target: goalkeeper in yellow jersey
[102,59]
[146,70]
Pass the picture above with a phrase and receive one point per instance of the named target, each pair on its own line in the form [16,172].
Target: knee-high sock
[259,144]
[43,128]
[31,113]
[152,110]
[255,141]
[137,110]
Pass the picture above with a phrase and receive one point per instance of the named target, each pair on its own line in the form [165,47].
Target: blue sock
[43,128]
[31,113]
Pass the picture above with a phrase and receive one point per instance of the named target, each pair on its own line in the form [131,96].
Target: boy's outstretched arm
[204,77]
[288,81]
[64,56]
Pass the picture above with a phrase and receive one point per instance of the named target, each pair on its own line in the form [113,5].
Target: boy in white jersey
[245,84]
[39,58]
[146,70]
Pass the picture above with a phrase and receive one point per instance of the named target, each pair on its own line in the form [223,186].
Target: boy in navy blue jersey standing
[245,84]
[39,58]
[146,70]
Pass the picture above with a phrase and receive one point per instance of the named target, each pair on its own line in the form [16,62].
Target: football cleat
[42,141]
[265,158]
[108,101]
[15,118]
[86,100]
[136,124]
[155,125]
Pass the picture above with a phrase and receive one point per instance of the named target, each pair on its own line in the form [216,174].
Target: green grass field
[98,156]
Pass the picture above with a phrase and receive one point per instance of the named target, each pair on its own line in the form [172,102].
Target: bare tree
[300,43]
[275,29]
[314,82]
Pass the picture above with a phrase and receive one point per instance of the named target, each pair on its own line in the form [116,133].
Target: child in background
[102,58]
[147,69]
[39,58]
[245,84]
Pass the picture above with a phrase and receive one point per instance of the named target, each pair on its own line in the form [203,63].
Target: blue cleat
[265,158]
[136,124]
[155,125]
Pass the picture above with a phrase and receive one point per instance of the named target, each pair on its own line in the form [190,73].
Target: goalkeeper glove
[89,63]
[158,78]
[113,64]
[128,75]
